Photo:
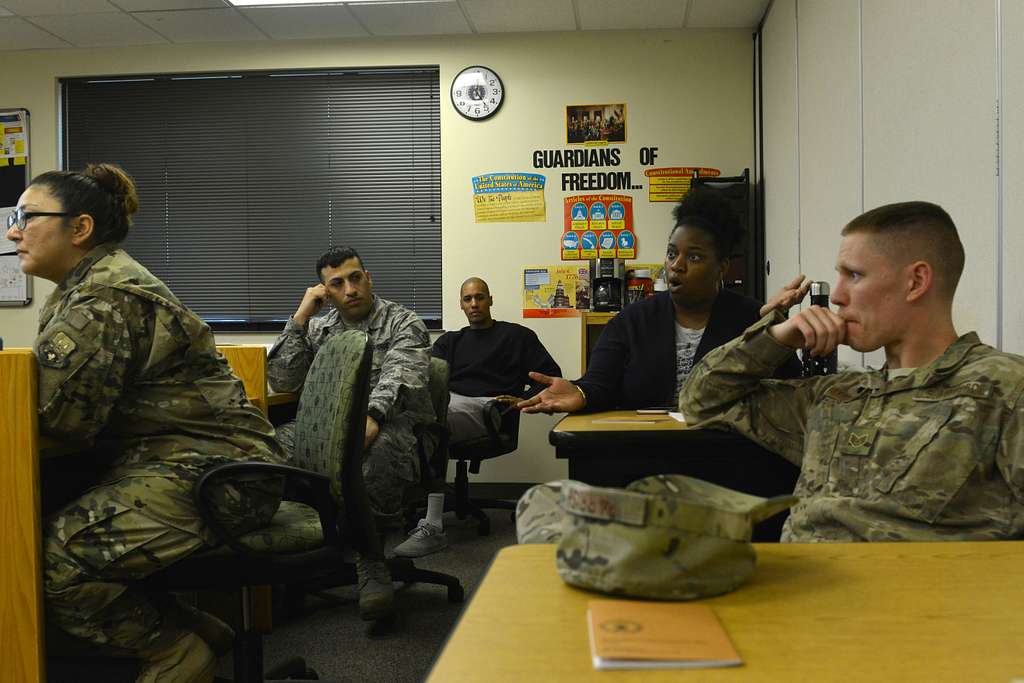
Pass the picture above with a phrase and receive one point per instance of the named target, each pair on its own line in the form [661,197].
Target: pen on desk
[625,420]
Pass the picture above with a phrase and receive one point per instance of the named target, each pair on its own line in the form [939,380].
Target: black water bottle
[819,365]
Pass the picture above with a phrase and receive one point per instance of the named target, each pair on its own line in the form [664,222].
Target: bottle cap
[642,273]
[819,288]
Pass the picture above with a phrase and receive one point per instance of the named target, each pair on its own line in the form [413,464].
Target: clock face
[477,93]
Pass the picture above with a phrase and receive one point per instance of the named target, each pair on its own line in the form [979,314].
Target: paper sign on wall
[555,291]
[598,226]
[670,184]
[13,139]
[508,198]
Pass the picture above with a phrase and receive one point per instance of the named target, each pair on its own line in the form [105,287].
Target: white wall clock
[477,93]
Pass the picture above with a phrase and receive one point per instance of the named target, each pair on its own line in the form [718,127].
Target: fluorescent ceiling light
[285,3]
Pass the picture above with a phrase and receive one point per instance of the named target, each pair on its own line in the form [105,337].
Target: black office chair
[469,454]
[435,450]
[325,512]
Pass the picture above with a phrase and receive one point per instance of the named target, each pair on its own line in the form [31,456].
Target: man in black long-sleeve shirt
[490,359]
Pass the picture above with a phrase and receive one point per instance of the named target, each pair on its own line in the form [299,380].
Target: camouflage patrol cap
[667,537]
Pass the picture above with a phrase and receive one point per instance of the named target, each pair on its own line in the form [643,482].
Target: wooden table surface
[617,421]
[830,612]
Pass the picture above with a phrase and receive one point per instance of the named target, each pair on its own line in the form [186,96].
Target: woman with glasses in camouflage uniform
[125,366]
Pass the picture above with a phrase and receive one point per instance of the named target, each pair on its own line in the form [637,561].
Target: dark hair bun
[116,181]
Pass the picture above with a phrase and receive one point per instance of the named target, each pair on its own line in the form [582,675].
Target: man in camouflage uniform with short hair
[929,448]
[399,399]
[122,361]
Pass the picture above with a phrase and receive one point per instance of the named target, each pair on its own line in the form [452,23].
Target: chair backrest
[330,424]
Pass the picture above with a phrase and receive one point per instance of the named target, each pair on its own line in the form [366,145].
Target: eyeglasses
[20,217]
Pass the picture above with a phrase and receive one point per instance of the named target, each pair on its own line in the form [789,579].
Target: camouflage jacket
[935,455]
[401,356]
[123,362]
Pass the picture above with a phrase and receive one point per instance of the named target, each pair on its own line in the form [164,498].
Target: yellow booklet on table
[632,634]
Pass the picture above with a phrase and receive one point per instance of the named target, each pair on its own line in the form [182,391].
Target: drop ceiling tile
[286,23]
[725,13]
[201,25]
[499,16]
[99,30]
[39,8]
[18,34]
[427,18]
[152,5]
[631,14]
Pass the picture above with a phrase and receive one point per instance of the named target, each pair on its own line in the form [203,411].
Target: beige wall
[891,101]
[688,93]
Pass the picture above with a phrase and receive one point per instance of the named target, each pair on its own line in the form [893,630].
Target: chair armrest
[309,488]
[493,431]
[432,469]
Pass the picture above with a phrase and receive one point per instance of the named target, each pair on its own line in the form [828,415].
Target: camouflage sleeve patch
[56,351]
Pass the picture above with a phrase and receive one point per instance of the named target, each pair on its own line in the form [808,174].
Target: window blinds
[245,179]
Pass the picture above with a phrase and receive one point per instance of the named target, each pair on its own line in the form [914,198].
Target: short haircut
[478,280]
[709,211]
[917,231]
[334,257]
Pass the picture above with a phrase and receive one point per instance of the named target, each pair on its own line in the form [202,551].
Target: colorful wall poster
[670,184]
[556,291]
[595,124]
[13,139]
[508,198]
[598,226]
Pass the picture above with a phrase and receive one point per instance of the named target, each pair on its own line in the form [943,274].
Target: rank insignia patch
[55,351]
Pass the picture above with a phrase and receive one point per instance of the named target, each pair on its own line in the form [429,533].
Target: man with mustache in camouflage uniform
[398,391]
[929,448]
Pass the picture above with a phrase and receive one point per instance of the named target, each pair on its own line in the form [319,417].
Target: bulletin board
[15,286]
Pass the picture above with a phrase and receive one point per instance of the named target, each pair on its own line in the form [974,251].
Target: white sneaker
[426,538]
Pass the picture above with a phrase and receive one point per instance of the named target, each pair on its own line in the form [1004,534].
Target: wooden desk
[249,361]
[21,573]
[22,650]
[603,452]
[829,612]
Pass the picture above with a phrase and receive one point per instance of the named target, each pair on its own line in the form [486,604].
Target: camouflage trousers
[118,533]
[390,465]
[539,514]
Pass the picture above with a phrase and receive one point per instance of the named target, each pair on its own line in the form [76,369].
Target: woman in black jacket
[646,352]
